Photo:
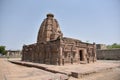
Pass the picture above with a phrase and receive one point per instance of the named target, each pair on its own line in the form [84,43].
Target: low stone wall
[108,54]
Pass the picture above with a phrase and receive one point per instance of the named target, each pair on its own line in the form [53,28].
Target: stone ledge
[60,75]
[71,70]
[82,74]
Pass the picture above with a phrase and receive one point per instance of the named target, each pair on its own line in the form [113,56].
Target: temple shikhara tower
[52,48]
[49,30]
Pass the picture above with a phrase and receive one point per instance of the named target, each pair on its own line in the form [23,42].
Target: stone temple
[52,48]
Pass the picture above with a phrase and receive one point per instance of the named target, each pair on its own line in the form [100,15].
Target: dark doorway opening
[81,55]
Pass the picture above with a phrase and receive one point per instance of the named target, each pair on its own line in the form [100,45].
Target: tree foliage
[2,50]
[114,45]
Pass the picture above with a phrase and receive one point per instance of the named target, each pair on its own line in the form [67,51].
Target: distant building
[0,54]
[101,46]
[13,53]
[53,48]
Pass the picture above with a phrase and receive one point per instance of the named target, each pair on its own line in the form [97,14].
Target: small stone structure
[53,48]
[13,53]
[101,46]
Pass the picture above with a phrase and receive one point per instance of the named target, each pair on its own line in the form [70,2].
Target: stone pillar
[94,52]
[22,55]
[77,55]
[60,60]
[84,57]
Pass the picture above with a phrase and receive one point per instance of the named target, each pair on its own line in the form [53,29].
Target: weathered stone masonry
[53,48]
[108,54]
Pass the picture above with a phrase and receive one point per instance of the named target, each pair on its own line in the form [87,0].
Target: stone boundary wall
[10,56]
[108,54]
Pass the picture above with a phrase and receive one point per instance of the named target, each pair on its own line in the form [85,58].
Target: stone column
[84,57]
[77,56]
[94,52]
[22,55]
[60,60]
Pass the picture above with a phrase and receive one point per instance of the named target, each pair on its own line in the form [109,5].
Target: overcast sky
[88,20]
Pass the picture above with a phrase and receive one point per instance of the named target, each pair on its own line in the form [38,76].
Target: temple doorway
[81,55]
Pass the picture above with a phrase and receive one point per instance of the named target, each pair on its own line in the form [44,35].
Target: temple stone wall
[106,54]
[47,53]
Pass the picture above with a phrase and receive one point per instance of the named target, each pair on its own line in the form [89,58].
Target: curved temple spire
[49,29]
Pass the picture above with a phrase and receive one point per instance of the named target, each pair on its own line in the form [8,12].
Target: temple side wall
[76,52]
[113,54]
[59,52]
[47,53]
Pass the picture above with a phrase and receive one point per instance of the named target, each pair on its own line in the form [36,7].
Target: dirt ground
[10,71]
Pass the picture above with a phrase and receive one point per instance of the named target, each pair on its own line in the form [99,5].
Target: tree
[2,50]
[114,45]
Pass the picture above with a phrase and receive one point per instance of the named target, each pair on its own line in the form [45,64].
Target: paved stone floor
[10,71]
[113,74]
